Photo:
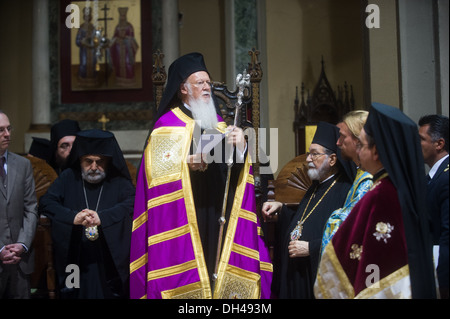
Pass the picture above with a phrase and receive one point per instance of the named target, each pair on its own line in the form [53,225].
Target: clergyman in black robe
[103,258]
[299,232]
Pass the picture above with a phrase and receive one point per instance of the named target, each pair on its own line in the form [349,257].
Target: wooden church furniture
[323,105]
[43,280]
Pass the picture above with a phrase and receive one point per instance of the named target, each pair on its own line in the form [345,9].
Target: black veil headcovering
[98,142]
[59,130]
[398,144]
[179,71]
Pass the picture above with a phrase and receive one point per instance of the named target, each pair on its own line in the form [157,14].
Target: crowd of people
[372,224]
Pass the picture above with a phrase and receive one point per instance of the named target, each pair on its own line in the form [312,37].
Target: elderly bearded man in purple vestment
[179,202]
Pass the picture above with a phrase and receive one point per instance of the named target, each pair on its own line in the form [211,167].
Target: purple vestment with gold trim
[166,259]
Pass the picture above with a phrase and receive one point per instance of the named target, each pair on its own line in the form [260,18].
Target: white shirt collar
[187,106]
[435,167]
[327,179]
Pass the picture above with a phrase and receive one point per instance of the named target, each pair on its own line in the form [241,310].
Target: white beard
[204,113]
[316,174]
[93,177]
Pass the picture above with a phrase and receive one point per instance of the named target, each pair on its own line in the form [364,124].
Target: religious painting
[103,50]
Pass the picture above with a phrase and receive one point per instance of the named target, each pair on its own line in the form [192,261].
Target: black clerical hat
[326,135]
[398,145]
[179,71]
[63,128]
[40,147]
[98,142]
[59,130]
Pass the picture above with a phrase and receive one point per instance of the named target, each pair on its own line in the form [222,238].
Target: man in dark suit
[18,218]
[433,131]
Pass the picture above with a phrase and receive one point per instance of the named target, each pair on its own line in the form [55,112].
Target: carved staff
[242,81]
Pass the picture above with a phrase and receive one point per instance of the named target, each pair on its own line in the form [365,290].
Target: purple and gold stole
[166,257]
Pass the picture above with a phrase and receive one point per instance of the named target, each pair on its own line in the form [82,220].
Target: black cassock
[294,277]
[103,263]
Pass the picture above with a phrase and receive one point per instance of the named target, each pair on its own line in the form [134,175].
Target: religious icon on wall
[105,49]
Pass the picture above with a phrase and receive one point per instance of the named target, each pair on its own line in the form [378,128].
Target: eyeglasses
[314,156]
[200,84]
[4,129]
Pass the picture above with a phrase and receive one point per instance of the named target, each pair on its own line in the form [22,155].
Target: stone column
[40,67]
[419,71]
[170,31]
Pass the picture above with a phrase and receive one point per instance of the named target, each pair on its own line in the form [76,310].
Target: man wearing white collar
[433,131]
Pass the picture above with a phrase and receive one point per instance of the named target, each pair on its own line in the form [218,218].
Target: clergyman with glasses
[181,207]
[297,251]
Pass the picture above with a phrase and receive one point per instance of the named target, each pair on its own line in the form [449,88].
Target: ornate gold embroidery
[236,287]
[356,251]
[383,231]
[191,291]
[166,154]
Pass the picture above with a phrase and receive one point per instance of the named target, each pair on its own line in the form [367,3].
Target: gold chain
[297,232]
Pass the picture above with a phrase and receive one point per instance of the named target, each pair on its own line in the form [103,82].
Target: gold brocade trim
[265,266]
[138,263]
[171,143]
[331,267]
[165,152]
[238,284]
[171,271]
[164,155]
[139,221]
[245,214]
[260,232]
[359,173]
[385,285]
[191,291]
[183,174]
[229,237]
[245,251]
[378,181]
[251,179]
[221,127]
[168,235]
[191,213]
[165,199]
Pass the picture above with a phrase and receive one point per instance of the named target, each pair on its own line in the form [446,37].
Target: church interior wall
[383,53]
[202,30]
[297,34]
[15,66]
